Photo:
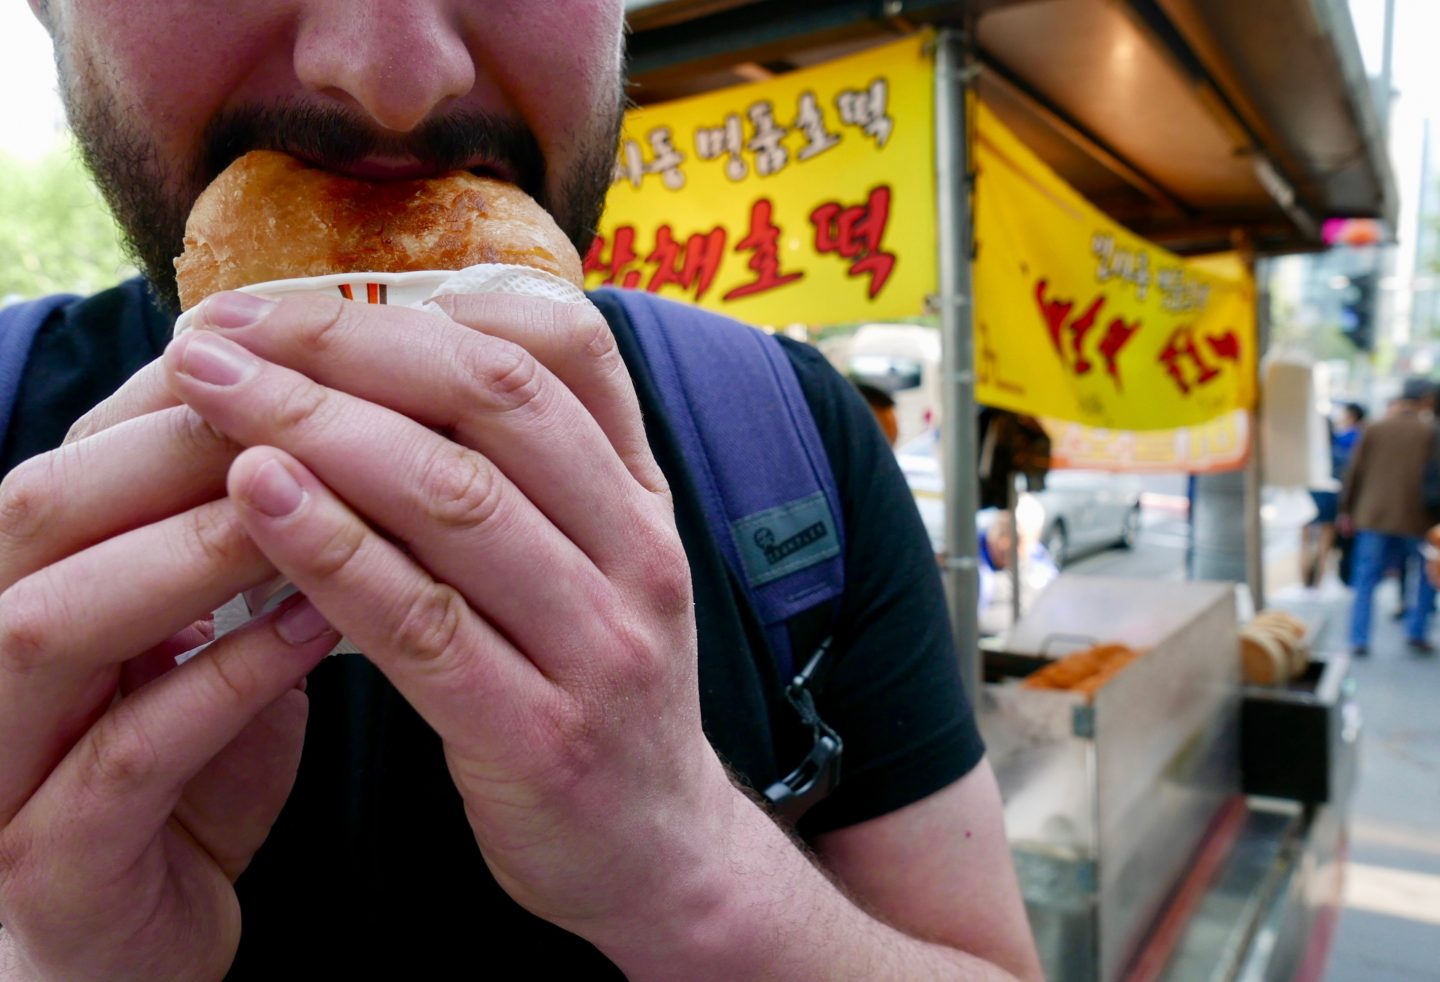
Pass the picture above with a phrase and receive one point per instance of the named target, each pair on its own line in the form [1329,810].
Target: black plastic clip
[819,773]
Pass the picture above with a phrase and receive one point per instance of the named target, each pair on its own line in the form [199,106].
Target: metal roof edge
[1333,17]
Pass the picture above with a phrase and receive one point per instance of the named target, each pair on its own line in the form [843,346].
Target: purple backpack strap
[769,496]
[19,323]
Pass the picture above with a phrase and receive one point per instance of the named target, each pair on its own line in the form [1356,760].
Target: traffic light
[1357,310]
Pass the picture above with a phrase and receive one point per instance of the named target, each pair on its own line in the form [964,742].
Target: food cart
[1154,829]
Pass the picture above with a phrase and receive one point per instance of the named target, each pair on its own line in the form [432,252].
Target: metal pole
[953,69]
[1387,73]
[1013,553]
[1254,469]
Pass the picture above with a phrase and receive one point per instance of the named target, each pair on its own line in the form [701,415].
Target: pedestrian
[998,580]
[882,407]
[1382,502]
[550,753]
[1345,431]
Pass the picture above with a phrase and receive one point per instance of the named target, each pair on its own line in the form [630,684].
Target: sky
[1416,73]
[33,118]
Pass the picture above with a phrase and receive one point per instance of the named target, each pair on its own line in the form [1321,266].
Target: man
[1382,501]
[997,580]
[534,774]
[1342,445]
[882,407]
[1319,537]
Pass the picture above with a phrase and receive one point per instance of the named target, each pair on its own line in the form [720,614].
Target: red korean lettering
[857,233]
[1080,327]
[1080,332]
[692,266]
[1117,336]
[615,267]
[1058,324]
[1184,362]
[763,241]
[1055,312]
[1225,346]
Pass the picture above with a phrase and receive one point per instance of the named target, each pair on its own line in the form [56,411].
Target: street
[1164,538]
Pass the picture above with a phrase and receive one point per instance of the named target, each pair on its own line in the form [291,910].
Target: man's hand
[469,496]
[132,793]
[506,553]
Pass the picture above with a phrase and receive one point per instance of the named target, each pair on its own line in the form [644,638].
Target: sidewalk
[1390,928]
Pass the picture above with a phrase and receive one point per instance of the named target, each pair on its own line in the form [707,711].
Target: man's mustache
[330,136]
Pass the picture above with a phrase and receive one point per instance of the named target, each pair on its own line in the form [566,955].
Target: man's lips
[378,168]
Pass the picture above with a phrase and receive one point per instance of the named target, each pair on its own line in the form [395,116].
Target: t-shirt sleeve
[894,695]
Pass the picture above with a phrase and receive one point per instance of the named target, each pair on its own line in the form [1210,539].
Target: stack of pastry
[1272,648]
[1084,671]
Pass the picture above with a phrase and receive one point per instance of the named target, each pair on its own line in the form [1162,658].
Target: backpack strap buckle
[819,773]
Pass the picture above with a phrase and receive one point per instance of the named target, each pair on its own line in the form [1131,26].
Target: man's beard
[151,197]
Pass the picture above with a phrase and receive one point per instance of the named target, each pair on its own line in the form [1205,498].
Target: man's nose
[395,60]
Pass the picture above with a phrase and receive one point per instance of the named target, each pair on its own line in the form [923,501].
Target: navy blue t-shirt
[371,868]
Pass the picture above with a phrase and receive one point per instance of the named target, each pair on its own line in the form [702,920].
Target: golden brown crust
[1288,632]
[1263,660]
[1084,671]
[269,216]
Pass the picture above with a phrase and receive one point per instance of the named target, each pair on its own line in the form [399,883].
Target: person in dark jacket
[1382,502]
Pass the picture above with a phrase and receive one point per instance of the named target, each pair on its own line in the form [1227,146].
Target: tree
[56,235]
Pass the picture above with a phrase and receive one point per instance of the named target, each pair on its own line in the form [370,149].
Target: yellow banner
[1077,318]
[808,198]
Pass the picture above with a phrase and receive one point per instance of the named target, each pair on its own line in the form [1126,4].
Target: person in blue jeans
[1373,554]
[1383,501]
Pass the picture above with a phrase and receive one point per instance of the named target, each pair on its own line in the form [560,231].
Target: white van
[902,360]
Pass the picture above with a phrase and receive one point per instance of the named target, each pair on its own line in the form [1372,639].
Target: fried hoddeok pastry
[269,216]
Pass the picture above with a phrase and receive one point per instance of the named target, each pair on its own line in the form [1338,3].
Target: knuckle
[503,376]
[667,582]
[85,426]
[216,535]
[637,659]
[301,405]
[29,497]
[596,339]
[195,435]
[430,625]
[325,324]
[338,550]
[459,490]
[120,758]
[234,677]
[27,631]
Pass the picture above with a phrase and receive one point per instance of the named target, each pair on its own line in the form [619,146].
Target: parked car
[1084,511]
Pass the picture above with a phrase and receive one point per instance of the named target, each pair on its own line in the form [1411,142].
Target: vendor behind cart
[997,580]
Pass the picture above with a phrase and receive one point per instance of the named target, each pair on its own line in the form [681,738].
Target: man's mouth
[376,167]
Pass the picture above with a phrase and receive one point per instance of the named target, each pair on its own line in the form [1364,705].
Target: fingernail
[210,358]
[274,491]
[232,309]
[301,622]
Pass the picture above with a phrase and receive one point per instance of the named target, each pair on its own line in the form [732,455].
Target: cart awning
[1186,120]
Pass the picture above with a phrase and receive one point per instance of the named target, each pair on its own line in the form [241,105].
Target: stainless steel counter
[1105,803]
